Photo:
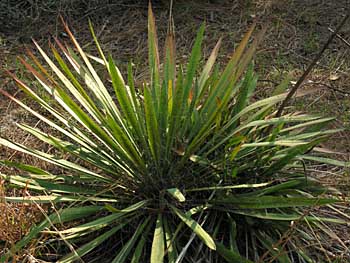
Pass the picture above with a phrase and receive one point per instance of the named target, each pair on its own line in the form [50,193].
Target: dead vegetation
[16,219]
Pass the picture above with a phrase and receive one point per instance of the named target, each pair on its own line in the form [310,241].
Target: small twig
[310,67]
[340,37]
[327,86]
[269,80]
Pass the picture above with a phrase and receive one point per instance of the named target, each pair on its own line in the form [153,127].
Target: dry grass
[16,219]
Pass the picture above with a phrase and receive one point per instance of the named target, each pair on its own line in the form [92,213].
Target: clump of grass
[186,167]
[16,219]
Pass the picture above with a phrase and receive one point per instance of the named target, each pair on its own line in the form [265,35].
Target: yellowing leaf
[196,228]
[176,193]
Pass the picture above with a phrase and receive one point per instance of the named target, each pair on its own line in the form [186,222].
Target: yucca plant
[185,167]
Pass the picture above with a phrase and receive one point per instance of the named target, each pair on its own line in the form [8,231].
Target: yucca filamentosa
[185,167]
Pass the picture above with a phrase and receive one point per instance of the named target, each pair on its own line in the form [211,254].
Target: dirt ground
[296,32]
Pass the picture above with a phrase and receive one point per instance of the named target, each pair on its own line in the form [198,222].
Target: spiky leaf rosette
[180,168]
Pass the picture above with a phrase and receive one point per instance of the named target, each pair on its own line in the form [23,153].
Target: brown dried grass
[16,219]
